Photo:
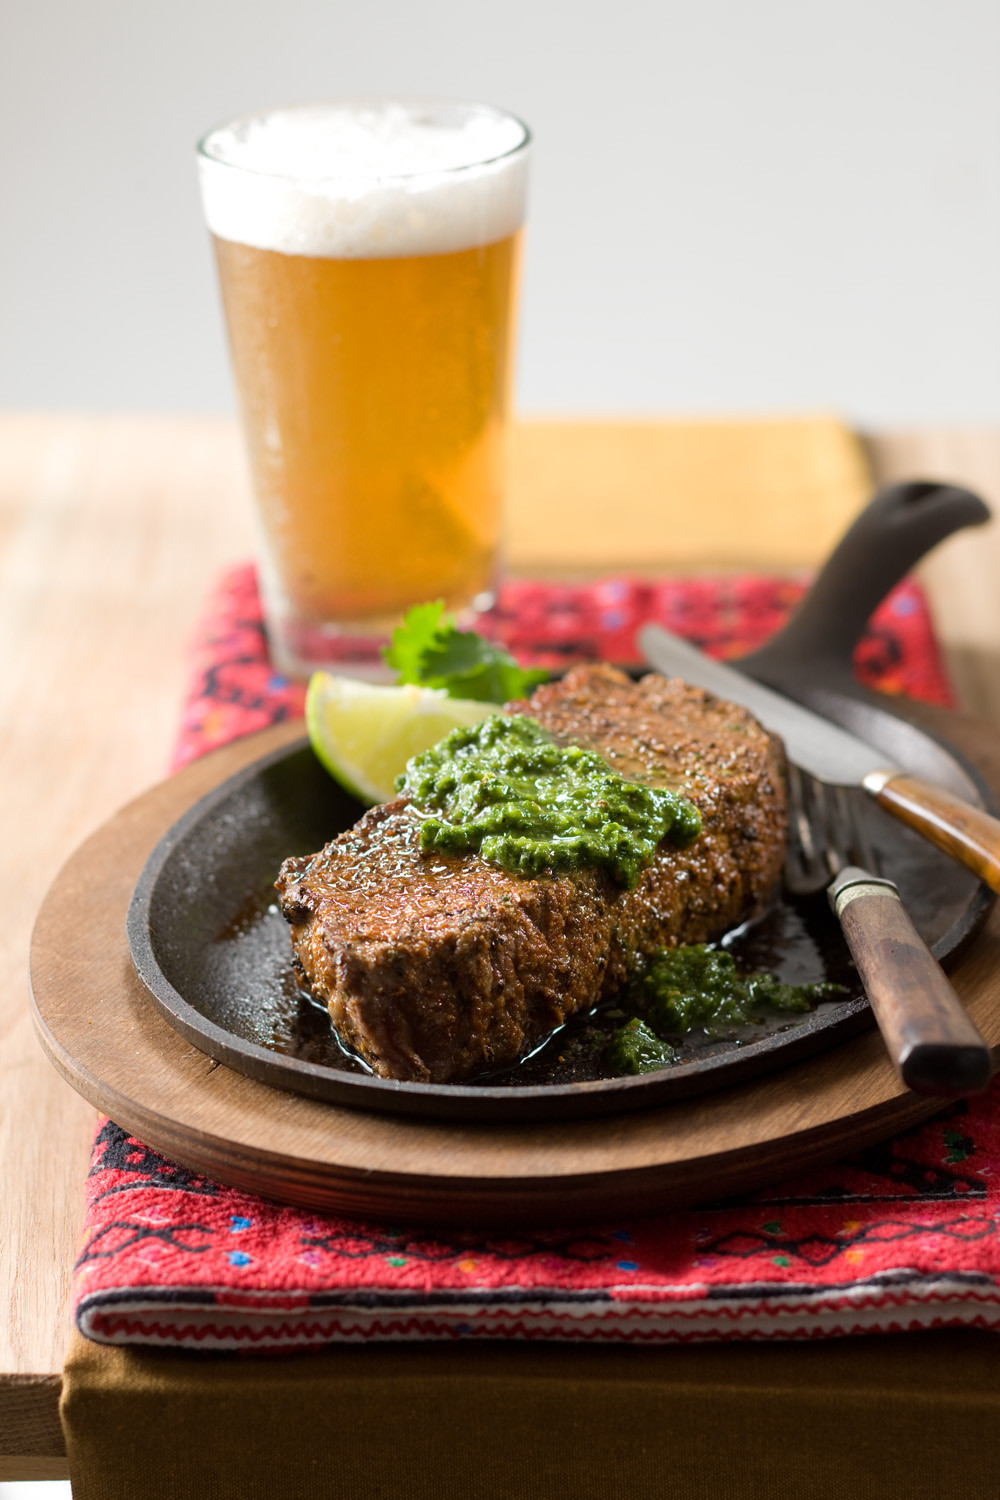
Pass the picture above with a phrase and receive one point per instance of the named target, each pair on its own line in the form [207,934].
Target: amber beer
[371,318]
[374,396]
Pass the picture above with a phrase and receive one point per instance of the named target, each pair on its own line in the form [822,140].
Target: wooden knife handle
[965,832]
[933,1044]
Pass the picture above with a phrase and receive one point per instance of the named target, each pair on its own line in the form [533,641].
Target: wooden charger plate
[99,1028]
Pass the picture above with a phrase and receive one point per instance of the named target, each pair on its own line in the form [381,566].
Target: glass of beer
[368,257]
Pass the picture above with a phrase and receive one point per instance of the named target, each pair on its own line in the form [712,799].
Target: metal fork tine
[838,832]
[805,866]
[799,816]
[829,813]
[827,832]
[863,851]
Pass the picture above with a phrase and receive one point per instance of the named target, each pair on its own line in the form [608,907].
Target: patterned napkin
[235,690]
[899,1237]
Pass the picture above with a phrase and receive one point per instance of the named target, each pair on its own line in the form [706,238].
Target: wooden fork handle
[933,1044]
[965,832]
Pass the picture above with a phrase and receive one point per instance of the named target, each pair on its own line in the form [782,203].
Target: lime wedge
[364,734]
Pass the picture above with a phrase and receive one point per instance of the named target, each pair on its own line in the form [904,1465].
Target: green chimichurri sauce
[505,790]
[697,988]
[636,1049]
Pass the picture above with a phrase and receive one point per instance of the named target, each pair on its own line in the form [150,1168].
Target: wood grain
[962,831]
[929,1037]
[110,529]
[103,1034]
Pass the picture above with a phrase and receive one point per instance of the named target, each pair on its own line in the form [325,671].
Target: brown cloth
[901,1417]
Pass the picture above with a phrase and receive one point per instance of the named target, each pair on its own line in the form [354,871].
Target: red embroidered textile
[235,690]
[901,1236]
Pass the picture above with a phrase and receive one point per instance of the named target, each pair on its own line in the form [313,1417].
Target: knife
[839,758]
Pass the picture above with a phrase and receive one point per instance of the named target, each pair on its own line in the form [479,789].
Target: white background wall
[738,205]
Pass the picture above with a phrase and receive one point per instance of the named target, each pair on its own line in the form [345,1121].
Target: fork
[826,833]
[931,1041]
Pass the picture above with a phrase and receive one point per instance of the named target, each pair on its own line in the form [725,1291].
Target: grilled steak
[439,967]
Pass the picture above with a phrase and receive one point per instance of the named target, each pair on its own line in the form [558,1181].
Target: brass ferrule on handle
[853,882]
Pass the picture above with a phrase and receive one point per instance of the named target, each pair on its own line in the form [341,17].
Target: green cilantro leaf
[420,629]
[429,650]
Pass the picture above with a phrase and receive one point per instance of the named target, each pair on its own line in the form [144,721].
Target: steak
[437,967]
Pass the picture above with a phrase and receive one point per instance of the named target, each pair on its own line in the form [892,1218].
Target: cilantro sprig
[430,650]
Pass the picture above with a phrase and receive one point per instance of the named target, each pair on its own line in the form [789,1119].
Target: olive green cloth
[907,1417]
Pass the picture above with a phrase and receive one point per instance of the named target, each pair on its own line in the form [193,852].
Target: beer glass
[368,257]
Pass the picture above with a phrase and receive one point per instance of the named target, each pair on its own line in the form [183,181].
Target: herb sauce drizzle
[505,790]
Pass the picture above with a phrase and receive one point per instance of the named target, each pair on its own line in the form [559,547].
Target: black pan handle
[895,530]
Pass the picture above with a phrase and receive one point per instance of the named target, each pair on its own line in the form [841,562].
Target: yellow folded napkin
[655,496]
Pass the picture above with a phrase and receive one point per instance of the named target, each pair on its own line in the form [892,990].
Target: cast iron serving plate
[213,950]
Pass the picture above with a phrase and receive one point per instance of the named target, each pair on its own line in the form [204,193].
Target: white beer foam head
[366,179]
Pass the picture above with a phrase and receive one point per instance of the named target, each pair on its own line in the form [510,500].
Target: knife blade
[832,754]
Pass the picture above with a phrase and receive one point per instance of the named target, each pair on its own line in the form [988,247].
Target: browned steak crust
[435,968]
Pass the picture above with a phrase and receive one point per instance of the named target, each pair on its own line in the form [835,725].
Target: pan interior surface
[213,951]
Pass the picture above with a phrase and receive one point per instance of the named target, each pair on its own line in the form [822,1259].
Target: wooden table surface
[110,530]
